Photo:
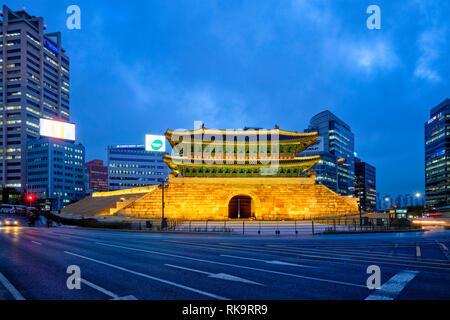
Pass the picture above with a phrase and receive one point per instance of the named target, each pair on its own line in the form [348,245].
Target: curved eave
[222,131]
[307,141]
[295,162]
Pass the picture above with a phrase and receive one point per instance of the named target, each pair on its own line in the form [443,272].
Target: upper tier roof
[246,136]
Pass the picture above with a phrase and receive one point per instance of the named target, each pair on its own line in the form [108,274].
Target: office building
[34,75]
[56,171]
[437,156]
[131,166]
[96,176]
[336,146]
[365,185]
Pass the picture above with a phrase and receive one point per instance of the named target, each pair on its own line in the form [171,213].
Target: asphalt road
[125,265]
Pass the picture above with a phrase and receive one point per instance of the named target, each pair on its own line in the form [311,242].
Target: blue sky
[147,66]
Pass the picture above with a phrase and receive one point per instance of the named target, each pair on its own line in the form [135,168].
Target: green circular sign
[157,144]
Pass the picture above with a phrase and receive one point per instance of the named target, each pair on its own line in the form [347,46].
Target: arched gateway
[260,176]
[240,207]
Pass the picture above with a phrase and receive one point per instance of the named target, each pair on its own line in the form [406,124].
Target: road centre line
[270,261]
[8,285]
[333,252]
[346,251]
[421,264]
[391,289]
[149,277]
[238,266]
[223,276]
[375,256]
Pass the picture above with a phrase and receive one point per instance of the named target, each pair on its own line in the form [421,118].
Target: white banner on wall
[155,143]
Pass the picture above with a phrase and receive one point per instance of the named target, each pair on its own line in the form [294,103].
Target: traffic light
[30,198]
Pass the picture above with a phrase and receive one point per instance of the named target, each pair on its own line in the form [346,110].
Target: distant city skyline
[236,64]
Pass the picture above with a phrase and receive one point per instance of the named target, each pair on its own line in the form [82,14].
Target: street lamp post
[418,195]
[360,214]
[164,183]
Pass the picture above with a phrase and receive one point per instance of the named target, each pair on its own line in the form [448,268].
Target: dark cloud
[147,66]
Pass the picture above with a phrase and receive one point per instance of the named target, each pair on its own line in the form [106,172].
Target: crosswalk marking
[8,285]
[391,289]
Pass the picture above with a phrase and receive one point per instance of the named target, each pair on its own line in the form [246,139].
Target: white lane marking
[107,292]
[237,266]
[443,249]
[282,263]
[393,250]
[391,289]
[443,246]
[223,276]
[130,297]
[38,243]
[418,252]
[8,285]
[149,277]
[98,288]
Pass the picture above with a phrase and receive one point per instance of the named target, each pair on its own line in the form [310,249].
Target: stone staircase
[98,206]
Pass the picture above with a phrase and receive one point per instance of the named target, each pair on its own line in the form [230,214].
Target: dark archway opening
[240,207]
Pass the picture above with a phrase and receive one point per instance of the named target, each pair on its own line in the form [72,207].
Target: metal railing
[286,227]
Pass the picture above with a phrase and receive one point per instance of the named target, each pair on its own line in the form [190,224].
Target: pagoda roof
[284,137]
[176,163]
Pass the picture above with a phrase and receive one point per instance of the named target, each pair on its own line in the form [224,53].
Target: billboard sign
[155,143]
[57,129]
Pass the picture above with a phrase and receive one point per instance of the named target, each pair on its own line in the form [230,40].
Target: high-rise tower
[437,155]
[34,75]
[336,147]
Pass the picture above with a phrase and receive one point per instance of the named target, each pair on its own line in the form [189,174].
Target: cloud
[370,56]
[216,107]
[429,43]
[339,44]
[318,14]
[358,56]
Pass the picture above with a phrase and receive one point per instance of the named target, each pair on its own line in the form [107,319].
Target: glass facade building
[365,185]
[34,84]
[96,176]
[131,166]
[336,147]
[56,171]
[437,156]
